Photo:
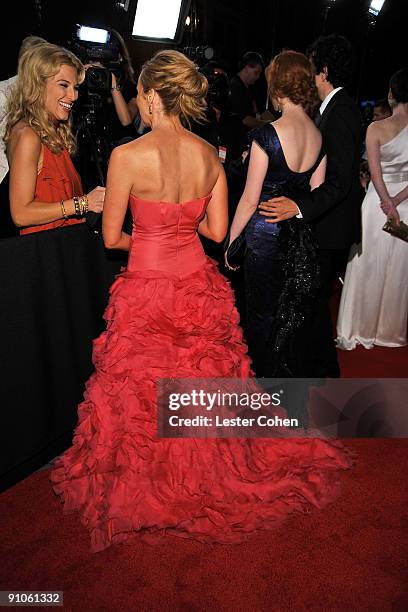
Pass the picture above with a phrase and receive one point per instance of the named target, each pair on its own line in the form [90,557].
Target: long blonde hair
[27,99]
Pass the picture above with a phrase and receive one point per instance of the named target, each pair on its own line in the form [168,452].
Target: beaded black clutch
[399,231]
[235,252]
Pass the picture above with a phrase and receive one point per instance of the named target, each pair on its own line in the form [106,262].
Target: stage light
[160,20]
[375,7]
[96,35]
[122,4]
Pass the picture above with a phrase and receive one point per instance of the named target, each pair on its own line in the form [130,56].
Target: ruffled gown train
[172,314]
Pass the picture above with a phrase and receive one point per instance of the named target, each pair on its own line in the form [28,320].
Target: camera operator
[118,108]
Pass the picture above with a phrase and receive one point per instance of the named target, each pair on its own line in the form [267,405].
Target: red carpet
[378,362]
[349,556]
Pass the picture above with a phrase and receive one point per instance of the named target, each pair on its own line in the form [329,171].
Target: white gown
[374,301]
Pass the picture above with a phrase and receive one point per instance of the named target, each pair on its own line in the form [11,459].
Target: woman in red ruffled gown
[172,315]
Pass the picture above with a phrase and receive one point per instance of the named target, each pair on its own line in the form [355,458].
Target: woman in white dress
[374,301]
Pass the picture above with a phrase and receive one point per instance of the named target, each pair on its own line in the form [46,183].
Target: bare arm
[118,187]
[373,156]
[122,109]
[373,143]
[215,223]
[400,196]
[24,154]
[319,174]
[258,165]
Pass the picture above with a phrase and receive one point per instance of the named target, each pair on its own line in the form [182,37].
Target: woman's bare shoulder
[381,131]
[133,151]
[288,126]
[25,133]
[198,141]
[149,145]
[23,138]
[201,147]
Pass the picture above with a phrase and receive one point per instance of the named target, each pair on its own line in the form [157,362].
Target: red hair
[291,75]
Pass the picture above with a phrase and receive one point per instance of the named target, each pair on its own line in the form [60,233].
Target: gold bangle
[84,204]
[77,206]
[64,212]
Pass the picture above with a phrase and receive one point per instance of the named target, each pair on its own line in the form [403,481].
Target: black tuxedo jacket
[334,207]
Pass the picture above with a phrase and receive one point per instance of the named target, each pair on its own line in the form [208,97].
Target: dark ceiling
[235,26]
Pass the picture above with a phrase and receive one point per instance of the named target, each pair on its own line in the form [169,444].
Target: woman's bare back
[301,141]
[172,166]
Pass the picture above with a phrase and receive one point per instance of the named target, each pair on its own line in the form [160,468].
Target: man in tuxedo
[334,207]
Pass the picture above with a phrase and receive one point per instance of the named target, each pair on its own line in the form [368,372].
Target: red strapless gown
[172,314]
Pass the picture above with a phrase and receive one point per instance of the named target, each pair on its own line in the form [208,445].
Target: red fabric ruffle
[125,481]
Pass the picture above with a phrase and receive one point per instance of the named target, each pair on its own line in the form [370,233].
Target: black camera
[200,55]
[219,91]
[98,80]
[96,45]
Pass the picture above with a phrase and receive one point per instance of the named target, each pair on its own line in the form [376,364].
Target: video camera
[200,55]
[96,45]
[219,91]
[218,83]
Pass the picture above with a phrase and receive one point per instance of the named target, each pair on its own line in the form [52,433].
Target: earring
[150,108]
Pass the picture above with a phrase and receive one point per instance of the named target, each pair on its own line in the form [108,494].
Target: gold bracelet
[84,204]
[64,212]
[77,206]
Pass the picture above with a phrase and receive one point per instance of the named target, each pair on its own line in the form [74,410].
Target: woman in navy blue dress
[281,269]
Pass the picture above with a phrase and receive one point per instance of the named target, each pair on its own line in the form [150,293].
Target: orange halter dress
[57,180]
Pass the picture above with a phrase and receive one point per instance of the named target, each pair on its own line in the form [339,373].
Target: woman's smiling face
[61,91]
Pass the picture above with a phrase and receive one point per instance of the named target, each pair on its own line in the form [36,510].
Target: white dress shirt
[5,89]
[327,99]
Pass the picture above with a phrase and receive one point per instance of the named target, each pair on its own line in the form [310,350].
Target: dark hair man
[242,102]
[334,207]
[381,110]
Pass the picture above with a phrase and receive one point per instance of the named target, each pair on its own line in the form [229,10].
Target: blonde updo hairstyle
[181,87]
[27,101]
[291,75]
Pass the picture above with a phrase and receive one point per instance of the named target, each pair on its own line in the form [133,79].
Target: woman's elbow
[110,242]
[18,219]
[109,245]
[219,236]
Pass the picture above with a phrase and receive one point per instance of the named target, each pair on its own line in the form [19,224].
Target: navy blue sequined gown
[281,273]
